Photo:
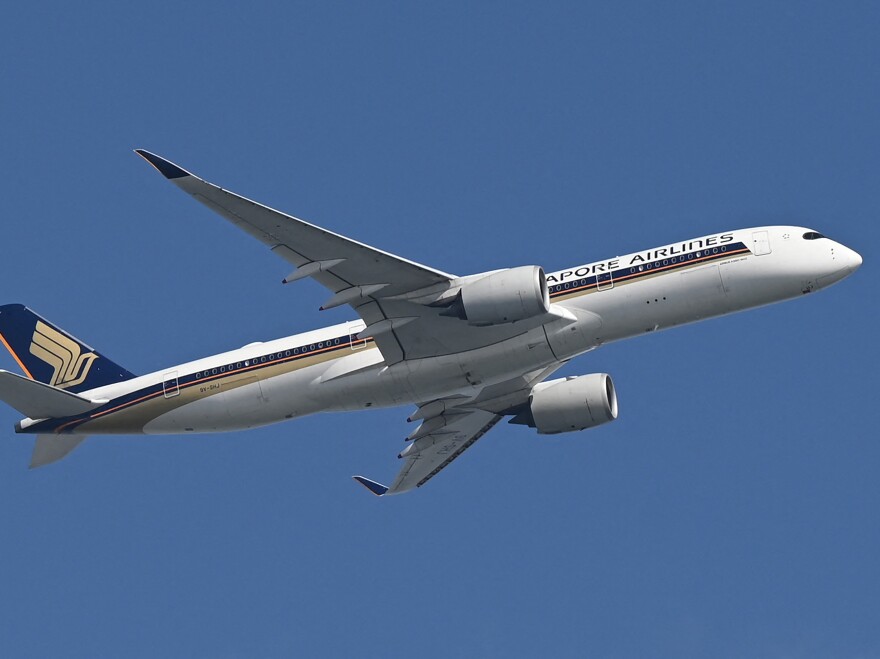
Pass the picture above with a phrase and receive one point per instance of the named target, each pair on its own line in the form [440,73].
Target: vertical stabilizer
[50,355]
[51,448]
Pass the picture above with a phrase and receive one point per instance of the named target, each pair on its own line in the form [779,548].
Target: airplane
[466,351]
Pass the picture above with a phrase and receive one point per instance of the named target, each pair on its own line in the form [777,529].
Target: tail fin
[51,448]
[51,355]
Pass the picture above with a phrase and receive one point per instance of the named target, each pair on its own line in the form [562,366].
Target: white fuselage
[331,369]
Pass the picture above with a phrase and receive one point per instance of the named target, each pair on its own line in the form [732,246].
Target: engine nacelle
[570,404]
[504,297]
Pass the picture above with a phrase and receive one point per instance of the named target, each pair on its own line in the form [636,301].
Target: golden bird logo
[63,354]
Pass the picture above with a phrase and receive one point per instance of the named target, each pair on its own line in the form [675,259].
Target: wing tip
[165,167]
[376,488]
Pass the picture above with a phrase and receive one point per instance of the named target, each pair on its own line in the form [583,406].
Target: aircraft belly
[570,339]
[161,415]
[362,381]
[702,294]
[659,303]
[204,415]
[469,372]
[762,280]
[241,403]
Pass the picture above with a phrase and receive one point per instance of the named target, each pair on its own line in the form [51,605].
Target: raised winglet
[376,488]
[166,168]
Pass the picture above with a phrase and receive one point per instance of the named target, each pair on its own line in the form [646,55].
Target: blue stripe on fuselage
[126,401]
[642,270]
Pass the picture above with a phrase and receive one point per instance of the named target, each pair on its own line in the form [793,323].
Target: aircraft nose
[852,258]
[843,262]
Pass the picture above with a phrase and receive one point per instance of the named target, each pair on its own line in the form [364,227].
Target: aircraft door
[760,243]
[170,386]
[356,343]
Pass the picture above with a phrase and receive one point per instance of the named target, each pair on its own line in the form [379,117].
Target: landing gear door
[760,243]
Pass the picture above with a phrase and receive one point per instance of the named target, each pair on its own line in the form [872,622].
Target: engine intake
[503,297]
[570,404]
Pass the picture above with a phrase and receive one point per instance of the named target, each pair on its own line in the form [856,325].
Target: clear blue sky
[730,512]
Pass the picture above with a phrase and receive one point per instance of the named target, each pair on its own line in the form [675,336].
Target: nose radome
[842,263]
[852,258]
[857,260]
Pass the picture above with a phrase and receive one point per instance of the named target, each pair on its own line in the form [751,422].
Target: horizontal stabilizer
[376,488]
[51,448]
[41,401]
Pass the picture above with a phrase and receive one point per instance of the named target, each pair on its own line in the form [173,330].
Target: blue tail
[51,355]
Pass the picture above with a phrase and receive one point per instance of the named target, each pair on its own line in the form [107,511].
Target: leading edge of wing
[175,173]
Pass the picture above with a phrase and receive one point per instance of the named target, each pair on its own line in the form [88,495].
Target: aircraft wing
[427,455]
[392,295]
[450,426]
[355,273]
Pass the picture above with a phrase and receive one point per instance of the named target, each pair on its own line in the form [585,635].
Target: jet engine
[503,297]
[570,404]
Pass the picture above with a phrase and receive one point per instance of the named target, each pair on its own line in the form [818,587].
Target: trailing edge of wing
[426,456]
[452,425]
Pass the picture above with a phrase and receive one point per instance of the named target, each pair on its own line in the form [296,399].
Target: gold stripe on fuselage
[645,275]
[132,416]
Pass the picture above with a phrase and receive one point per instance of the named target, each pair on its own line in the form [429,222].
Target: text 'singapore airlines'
[466,352]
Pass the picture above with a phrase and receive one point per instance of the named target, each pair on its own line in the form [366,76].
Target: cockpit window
[812,235]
